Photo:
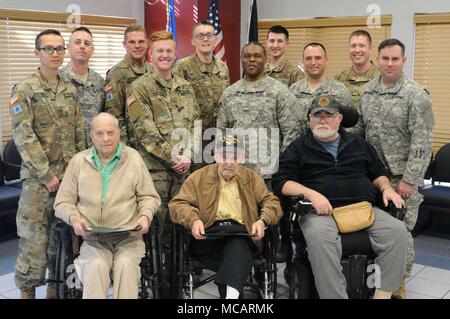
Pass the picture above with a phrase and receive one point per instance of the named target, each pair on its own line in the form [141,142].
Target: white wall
[115,8]
[402,12]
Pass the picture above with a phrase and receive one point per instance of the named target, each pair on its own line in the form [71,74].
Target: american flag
[213,18]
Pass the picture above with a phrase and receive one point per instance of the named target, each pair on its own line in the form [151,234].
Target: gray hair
[105,116]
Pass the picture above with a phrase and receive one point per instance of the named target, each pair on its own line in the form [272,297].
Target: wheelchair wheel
[300,280]
[151,265]
[68,285]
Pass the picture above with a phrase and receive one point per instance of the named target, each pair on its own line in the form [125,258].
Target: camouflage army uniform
[285,72]
[354,83]
[156,107]
[117,82]
[90,94]
[264,104]
[209,82]
[398,121]
[305,95]
[48,130]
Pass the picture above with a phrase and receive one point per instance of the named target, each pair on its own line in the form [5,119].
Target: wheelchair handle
[300,206]
[398,213]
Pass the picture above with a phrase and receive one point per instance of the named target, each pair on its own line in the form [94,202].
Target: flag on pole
[253,22]
[213,18]
[171,25]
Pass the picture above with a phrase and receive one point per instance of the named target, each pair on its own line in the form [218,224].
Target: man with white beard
[331,168]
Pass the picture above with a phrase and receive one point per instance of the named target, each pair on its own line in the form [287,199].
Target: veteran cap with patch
[330,104]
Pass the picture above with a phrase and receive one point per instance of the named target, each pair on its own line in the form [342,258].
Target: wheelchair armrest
[398,213]
[299,206]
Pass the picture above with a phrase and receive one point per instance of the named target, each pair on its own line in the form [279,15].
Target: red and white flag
[213,18]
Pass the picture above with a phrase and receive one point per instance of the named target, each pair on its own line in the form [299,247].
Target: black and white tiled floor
[430,278]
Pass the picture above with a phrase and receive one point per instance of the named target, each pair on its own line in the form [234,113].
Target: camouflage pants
[412,210]
[37,246]
[167,185]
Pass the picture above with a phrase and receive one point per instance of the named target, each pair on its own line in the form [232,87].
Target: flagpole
[249,20]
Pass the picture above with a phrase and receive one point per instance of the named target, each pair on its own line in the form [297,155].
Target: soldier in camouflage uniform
[119,77]
[277,66]
[48,130]
[259,102]
[208,76]
[89,83]
[398,121]
[316,82]
[160,104]
[362,70]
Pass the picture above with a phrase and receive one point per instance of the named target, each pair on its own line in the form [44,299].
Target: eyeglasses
[201,36]
[51,50]
[327,117]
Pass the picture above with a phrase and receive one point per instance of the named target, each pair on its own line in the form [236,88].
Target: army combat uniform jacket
[117,83]
[90,94]
[398,121]
[156,107]
[48,128]
[208,81]
[286,72]
[263,105]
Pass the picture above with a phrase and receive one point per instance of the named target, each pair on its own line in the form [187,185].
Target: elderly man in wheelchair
[107,196]
[340,173]
[227,208]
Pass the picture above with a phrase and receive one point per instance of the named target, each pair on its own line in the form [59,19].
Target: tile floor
[430,278]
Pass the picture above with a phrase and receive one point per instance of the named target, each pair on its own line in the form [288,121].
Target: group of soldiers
[52,111]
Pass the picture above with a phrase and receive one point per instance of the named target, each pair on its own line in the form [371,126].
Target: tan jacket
[131,193]
[198,198]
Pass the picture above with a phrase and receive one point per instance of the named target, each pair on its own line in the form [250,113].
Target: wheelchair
[262,278]
[69,286]
[357,257]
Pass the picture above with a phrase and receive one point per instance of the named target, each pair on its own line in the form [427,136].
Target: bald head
[105,134]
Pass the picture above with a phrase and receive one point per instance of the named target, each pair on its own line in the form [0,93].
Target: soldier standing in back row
[263,105]
[119,77]
[208,76]
[48,130]
[316,82]
[398,120]
[362,70]
[89,83]
[277,66]
[161,104]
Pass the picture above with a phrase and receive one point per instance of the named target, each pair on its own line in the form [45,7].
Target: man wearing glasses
[48,130]
[208,76]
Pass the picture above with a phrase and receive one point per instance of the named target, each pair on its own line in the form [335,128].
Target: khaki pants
[119,253]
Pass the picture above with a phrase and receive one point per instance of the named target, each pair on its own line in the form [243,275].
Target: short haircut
[83,29]
[390,43]
[161,35]
[314,44]
[361,33]
[205,23]
[37,41]
[278,29]
[104,115]
[253,43]
[134,28]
